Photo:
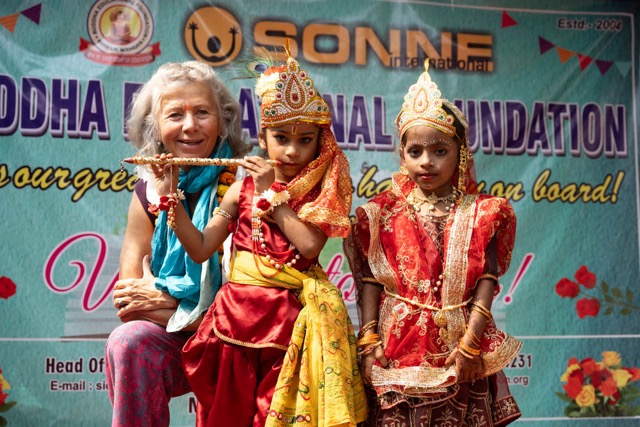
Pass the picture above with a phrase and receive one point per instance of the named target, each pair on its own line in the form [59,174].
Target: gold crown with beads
[288,95]
[423,106]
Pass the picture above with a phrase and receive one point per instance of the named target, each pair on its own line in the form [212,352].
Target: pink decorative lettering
[82,270]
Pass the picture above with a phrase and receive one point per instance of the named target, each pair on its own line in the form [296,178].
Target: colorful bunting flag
[9,22]
[32,13]
[584,61]
[564,54]
[624,67]
[507,20]
[545,45]
[603,66]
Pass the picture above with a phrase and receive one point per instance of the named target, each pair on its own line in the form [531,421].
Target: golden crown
[288,95]
[423,106]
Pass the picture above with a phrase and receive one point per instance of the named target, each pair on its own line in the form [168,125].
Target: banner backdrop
[550,92]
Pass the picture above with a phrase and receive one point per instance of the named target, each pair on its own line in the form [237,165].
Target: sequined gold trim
[416,378]
[501,356]
[455,269]
[378,263]
[243,343]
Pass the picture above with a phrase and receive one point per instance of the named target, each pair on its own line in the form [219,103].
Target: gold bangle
[479,308]
[467,351]
[370,280]
[366,327]
[488,276]
[369,339]
[484,313]
[465,354]
[470,350]
[474,337]
[369,349]
[222,213]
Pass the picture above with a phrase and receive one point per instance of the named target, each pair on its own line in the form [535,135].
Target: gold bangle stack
[482,310]
[366,327]
[367,344]
[474,338]
[222,213]
[468,352]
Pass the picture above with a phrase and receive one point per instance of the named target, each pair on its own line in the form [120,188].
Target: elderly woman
[162,295]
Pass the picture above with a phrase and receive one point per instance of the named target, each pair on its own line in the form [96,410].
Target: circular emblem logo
[120,26]
[213,35]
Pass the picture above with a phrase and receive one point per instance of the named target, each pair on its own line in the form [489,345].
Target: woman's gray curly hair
[142,125]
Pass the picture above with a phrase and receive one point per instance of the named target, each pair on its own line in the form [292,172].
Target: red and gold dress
[429,268]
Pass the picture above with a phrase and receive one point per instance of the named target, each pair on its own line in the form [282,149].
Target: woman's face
[431,157]
[188,120]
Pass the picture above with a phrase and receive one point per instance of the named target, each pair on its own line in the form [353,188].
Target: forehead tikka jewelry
[430,142]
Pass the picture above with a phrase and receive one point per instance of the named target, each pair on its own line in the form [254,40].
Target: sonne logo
[213,35]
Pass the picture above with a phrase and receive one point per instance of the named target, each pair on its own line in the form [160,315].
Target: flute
[189,161]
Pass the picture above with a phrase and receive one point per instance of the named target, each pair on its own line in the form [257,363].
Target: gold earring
[404,170]
[462,167]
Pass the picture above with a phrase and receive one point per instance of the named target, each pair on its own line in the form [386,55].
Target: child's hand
[468,369]
[262,173]
[367,363]
[166,175]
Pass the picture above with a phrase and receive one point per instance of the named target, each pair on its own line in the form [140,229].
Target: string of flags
[32,13]
[565,54]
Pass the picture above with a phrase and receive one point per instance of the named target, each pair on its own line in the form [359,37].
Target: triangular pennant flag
[155,49]
[564,54]
[603,66]
[623,67]
[584,61]
[84,44]
[33,13]
[9,22]
[545,45]
[507,20]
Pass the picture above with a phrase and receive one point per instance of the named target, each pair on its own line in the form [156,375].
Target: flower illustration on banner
[600,389]
[7,287]
[4,394]
[585,283]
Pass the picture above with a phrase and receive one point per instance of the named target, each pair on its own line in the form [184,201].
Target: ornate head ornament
[423,106]
[288,95]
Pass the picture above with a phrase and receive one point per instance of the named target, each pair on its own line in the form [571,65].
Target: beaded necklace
[274,259]
[417,199]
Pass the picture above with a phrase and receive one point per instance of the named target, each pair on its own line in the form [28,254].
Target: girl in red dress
[426,257]
[277,345]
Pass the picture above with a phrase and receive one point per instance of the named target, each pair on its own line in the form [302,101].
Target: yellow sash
[319,384]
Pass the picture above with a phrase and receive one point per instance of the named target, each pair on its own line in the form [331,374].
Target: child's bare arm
[201,245]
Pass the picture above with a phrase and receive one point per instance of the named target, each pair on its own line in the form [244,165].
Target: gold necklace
[417,199]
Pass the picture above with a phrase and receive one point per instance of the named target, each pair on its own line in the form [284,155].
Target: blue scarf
[194,285]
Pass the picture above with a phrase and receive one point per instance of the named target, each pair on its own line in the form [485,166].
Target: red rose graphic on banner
[590,305]
[600,389]
[7,287]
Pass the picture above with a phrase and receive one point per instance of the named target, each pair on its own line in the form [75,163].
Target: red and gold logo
[120,33]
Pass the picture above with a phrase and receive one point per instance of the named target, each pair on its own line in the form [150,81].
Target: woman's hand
[262,173]
[166,175]
[137,295]
[468,369]
[369,359]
